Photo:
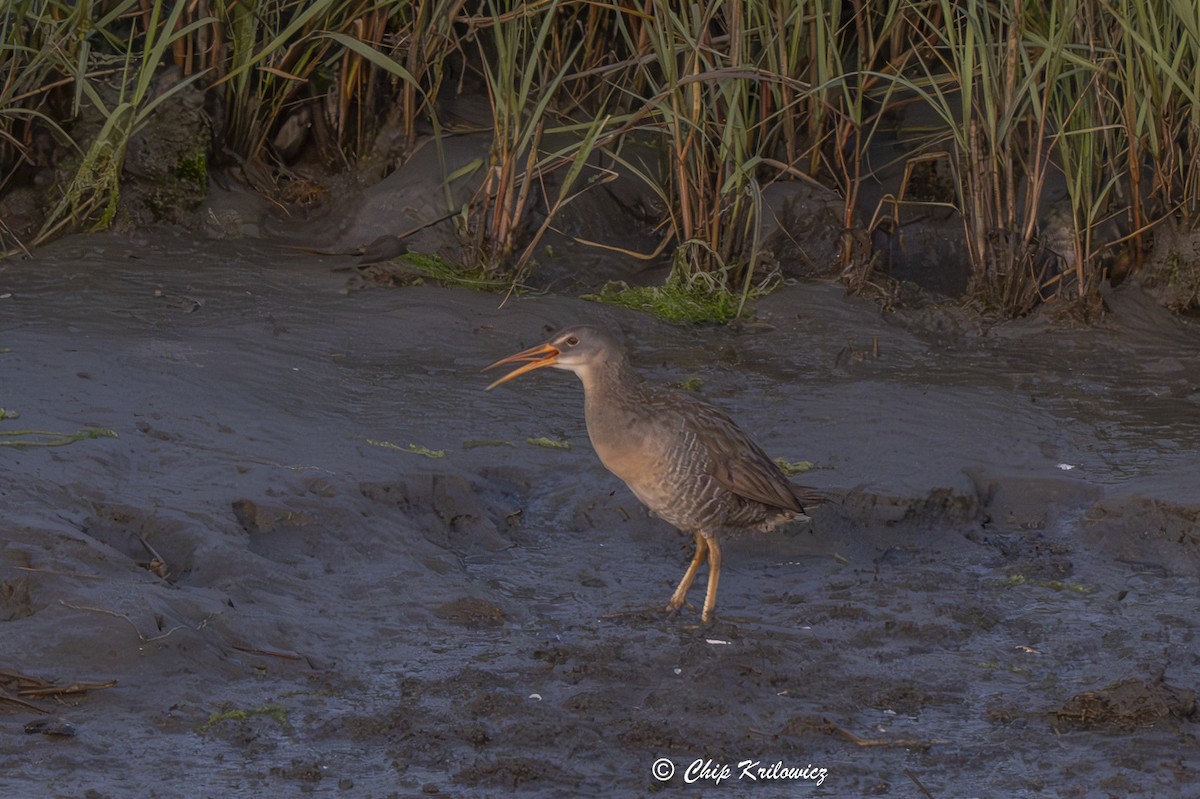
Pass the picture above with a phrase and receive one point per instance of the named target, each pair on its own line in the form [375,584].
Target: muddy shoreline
[1007,595]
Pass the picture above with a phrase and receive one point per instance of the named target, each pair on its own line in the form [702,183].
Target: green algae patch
[548,443]
[277,713]
[47,438]
[791,468]
[412,449]
[487,442]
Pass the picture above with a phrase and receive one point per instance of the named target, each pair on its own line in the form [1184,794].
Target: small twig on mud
[73,688]
[20,679]
[4,697]
[858,740]
[917,782]
[267,652]
[24,685]
[126,618]
[158,565]
[79,575]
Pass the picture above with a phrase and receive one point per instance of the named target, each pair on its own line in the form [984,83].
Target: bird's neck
[610,384]
[613,396]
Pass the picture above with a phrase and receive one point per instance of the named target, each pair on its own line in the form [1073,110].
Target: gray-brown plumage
[684,459]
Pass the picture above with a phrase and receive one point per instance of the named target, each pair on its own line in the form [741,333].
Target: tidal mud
[318,558]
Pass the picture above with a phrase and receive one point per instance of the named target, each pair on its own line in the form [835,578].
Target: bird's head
[579,348]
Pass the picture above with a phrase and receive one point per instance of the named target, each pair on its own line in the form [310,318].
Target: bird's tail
[809,498]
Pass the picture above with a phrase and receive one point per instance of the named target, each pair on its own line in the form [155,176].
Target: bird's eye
[572,341]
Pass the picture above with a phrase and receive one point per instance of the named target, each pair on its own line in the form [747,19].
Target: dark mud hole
[291,602]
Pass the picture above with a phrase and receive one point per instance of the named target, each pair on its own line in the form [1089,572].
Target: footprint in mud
[158,545]
[17,600]
[446,510]
[278,534]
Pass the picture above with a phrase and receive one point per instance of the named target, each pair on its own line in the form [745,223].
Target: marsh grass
[969,75]
[521,79]
[1025,97]
[330,66]
[1099,96]
[94,188]
[707,81]
[1151,86]
[52,65]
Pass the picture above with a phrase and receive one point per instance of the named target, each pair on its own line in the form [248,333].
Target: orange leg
[714,574]
[680,594]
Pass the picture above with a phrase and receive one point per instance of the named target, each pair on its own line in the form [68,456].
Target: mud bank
[318,558]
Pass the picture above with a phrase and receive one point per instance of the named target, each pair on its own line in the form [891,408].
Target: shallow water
[1020,530]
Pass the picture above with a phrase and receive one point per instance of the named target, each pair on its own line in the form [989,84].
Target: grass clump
[674,301]
[689,296]
[452,274]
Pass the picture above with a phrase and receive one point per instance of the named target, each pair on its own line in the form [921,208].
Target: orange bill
[533,358]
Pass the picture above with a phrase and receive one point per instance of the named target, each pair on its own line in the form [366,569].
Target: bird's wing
[735,461]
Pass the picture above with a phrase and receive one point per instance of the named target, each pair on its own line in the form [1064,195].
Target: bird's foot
[675,605]
[707,619]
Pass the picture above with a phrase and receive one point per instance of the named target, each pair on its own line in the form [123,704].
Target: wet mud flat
[318,559]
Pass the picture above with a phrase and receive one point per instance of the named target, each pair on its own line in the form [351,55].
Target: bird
[684,459]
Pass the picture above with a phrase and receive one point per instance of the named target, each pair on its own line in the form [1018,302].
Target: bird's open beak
[534,358]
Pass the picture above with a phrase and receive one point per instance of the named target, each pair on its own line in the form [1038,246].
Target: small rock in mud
[471,612]
[1128,705]
[56,726]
